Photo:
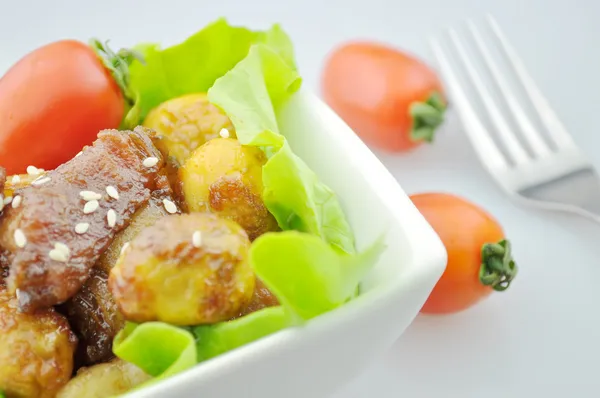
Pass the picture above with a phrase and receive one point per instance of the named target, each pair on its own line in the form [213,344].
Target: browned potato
[225,178]
[262,298]
[184,123]
[185,270]
[104,380]
[36,351]
[95,319]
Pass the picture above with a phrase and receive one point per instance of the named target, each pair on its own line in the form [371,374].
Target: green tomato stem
[427,117]
[498,269]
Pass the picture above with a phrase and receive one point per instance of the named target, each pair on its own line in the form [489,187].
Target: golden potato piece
[184,123]
[225,178]
[104,380]
[36,351]
[186,269]
[262,298]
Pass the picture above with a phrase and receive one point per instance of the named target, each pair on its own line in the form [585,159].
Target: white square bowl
[319,357]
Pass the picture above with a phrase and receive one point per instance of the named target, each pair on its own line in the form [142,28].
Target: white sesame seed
[197,239]
[20,239]
[124,248]
[112,192]
[58,255]
[111,218]
[16,179]
[82,227]
[7,200]
[150,162]
[16,201]
[90,195]
[34,171]
[91,207]
[41,180]
[169,206]
[224,133]
[62,247]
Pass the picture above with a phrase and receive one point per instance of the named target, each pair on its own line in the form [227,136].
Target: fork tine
[536,143]
[514,148]
[485,147]
[555,128]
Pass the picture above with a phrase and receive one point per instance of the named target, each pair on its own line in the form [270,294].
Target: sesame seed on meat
[65,239]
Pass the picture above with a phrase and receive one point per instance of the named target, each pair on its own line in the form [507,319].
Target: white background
[538,339]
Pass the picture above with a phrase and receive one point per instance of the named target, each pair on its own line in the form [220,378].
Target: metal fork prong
[480,138]
[514,148]
[555,128]
[536,143]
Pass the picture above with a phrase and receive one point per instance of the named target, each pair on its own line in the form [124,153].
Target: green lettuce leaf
[159,349]
[193,65]
[213,340]
[308,276]
[249,95]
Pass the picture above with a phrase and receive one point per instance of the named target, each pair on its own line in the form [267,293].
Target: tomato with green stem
[479,255]
[55,99]
[390,98]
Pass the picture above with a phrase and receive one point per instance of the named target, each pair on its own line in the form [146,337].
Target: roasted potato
[184,123]
[36,351]
[104,380]
[261,298]
[225,178]
[186,269]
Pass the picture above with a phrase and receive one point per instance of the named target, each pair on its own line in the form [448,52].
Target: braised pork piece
[68,217]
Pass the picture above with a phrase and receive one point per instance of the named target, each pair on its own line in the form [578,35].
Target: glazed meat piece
[36,351]
[187,269]
[94,317]
[69,216]
[92,312]
[146,216]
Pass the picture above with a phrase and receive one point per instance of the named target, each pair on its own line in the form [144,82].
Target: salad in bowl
[155,216]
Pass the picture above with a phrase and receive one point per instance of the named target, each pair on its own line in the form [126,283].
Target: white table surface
[538,339]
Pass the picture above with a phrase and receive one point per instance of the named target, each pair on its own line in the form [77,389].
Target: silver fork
[550,171]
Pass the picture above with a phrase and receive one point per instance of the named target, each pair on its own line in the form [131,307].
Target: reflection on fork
[541,166]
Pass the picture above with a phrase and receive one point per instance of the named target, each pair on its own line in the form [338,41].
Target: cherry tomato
[53,102]
[392,100]
[479,258]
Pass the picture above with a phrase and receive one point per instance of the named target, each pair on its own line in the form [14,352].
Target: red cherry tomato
[53,102]
[479,258]
[392,100]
